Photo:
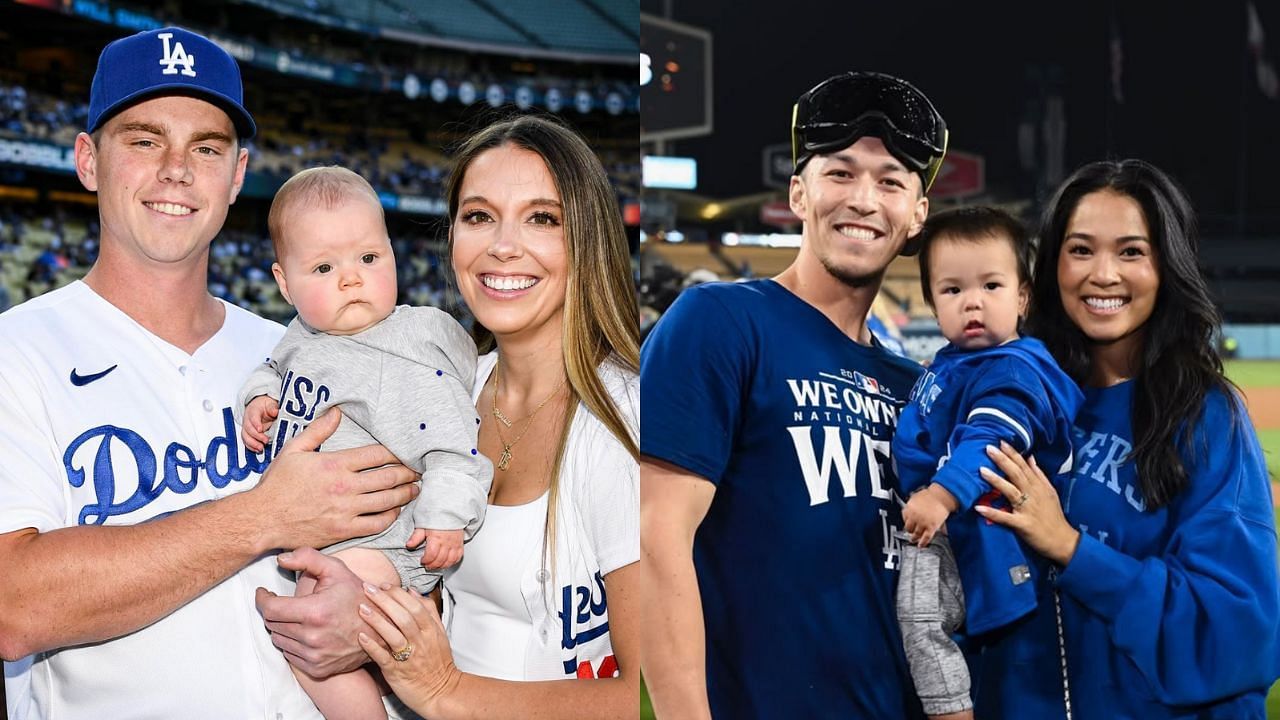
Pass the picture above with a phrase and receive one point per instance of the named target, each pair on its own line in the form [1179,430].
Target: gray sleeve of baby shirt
[425,416]
[265,378]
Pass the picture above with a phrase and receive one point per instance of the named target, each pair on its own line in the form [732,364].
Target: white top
[491,625]
[102,422]
[565,632]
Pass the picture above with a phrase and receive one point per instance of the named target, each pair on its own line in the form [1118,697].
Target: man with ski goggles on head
[768,517]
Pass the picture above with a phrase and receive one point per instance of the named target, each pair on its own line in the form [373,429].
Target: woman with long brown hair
[546,590]
[545,595]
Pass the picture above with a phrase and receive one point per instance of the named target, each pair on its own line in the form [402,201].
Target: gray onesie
[404,383]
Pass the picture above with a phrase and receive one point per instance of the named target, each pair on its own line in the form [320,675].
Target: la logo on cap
[176,56]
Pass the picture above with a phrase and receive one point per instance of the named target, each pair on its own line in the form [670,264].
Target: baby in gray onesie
[402,376]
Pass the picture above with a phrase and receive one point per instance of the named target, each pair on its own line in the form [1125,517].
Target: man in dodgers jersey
[768,504]
[120,598]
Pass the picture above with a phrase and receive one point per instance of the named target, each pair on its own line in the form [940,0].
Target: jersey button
[208,406]
[182,369]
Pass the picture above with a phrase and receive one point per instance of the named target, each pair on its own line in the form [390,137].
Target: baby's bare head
[327,188]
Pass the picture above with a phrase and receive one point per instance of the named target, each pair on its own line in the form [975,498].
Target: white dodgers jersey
[103,423]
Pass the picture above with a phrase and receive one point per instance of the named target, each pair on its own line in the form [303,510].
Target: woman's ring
[1020,502]
[403,653]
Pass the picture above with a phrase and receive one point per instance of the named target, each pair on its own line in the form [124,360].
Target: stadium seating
[623,12]
[902,279]
[567,25]
[400,143]
[571,26]
[40,252]
[457,18]
[385,156]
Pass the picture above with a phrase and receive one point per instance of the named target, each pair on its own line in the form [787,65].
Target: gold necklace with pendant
[504,460]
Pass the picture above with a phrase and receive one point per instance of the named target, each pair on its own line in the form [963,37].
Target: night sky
[1191,102]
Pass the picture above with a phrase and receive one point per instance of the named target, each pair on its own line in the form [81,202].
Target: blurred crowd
[398,166]
[37,115]
[661,282]
[46,245]
[40,251]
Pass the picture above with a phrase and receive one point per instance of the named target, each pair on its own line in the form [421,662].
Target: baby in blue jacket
[987,385]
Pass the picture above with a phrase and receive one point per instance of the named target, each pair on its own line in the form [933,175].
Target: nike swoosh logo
[80,380]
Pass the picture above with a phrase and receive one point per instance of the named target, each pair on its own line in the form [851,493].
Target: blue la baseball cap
[168,61]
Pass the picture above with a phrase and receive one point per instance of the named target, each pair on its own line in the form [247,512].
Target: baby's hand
[258,415]
[444,547]
[926,511]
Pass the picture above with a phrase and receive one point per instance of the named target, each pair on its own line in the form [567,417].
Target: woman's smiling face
[509,251]
[1108,277]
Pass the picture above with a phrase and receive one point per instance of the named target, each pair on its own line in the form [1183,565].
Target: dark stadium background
[1176,84]
[1189,100]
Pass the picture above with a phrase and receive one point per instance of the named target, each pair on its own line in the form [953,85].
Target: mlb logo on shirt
[868,384]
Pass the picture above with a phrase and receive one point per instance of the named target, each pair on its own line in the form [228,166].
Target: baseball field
[1260,381]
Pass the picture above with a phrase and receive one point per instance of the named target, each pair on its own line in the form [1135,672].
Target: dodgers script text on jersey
[153,436]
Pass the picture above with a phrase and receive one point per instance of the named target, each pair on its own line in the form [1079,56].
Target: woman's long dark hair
[1178,363]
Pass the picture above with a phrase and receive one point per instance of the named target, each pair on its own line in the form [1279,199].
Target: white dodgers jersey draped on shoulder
[103,423]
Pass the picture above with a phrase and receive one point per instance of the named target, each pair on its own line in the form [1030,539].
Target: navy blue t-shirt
[755,390]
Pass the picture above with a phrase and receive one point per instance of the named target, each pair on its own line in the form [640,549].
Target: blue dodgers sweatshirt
[966,401]
[1175,612]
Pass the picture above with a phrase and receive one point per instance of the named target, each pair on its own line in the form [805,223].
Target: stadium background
[1030,91]
[385,87]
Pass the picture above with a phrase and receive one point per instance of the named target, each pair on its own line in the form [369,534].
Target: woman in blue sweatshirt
[1164,537]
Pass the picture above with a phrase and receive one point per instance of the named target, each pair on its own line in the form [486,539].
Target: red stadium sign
[631,213]
[778,214]
[962,174]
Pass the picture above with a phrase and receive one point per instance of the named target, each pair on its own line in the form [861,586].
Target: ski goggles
[841,109]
